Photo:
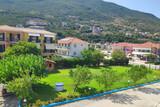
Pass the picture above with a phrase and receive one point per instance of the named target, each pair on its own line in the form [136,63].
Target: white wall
[77,49]
[50,46]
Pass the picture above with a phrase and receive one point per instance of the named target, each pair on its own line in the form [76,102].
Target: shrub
[138,72]
[157,63]
[85,91]
[67,62]
[39,103]
[112,62]
[15,66]
[59,98]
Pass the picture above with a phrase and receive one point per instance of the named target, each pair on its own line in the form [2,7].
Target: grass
[45,90]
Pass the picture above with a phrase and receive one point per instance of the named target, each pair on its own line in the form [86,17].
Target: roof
[7,28]
[70,40]
[143,45]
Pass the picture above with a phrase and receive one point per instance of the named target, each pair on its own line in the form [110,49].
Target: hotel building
[44,40]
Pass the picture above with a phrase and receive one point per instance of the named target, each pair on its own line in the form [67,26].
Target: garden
[88,86]
[22,70]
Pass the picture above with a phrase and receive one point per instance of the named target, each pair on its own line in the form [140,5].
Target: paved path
[148,96]
[10,101]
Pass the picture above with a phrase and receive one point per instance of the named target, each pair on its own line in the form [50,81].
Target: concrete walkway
[148,96]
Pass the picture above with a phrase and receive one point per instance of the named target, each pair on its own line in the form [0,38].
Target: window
[48,40]
[75,45]
[34,39]
[2,37]
[74,53]
[14,38]
[2,48]
[17,37]
[11,38]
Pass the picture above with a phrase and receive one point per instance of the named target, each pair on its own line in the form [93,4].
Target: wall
[78,49]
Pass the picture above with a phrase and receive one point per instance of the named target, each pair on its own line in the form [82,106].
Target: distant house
[71,47]
[36,23]
[96,29]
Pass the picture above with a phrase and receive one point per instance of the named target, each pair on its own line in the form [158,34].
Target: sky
[148,6]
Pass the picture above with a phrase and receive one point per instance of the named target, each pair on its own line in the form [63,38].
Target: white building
[138,51]
[71,47]
[141,51]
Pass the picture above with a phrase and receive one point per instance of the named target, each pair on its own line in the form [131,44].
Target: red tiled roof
[69,40]
[144,45]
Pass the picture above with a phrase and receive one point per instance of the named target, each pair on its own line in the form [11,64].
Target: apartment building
[138,50]
[44,40]
[71,47]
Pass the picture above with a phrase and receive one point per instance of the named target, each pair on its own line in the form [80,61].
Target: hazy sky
[149,6]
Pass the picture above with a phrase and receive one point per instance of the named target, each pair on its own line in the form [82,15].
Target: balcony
[34,39]
[14,38]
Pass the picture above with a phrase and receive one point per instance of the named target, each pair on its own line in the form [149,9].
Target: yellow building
[44,40]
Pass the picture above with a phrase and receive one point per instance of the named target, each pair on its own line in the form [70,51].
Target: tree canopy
[15,66]
[22,87]
[22,48]
[119,57]
[92,57]
[80,75]
[106,77]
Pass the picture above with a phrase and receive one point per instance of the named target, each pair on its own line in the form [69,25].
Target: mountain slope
[18,11]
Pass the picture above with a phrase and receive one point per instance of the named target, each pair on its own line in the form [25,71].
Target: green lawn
[45,90]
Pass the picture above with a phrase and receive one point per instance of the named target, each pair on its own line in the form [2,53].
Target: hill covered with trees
[72,17]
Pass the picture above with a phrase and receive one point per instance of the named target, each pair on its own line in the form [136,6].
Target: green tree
[80,75]
[106,77]
[92,57]
[22,87]
[152,58]
[22,48]
[119,58]
[14,66]
[137,73]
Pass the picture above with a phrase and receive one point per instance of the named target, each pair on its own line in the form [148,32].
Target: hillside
[83,12]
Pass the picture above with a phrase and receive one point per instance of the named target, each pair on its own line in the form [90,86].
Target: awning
[34,34]
[51,36]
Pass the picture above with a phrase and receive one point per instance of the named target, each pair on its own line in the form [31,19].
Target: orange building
[44,40]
